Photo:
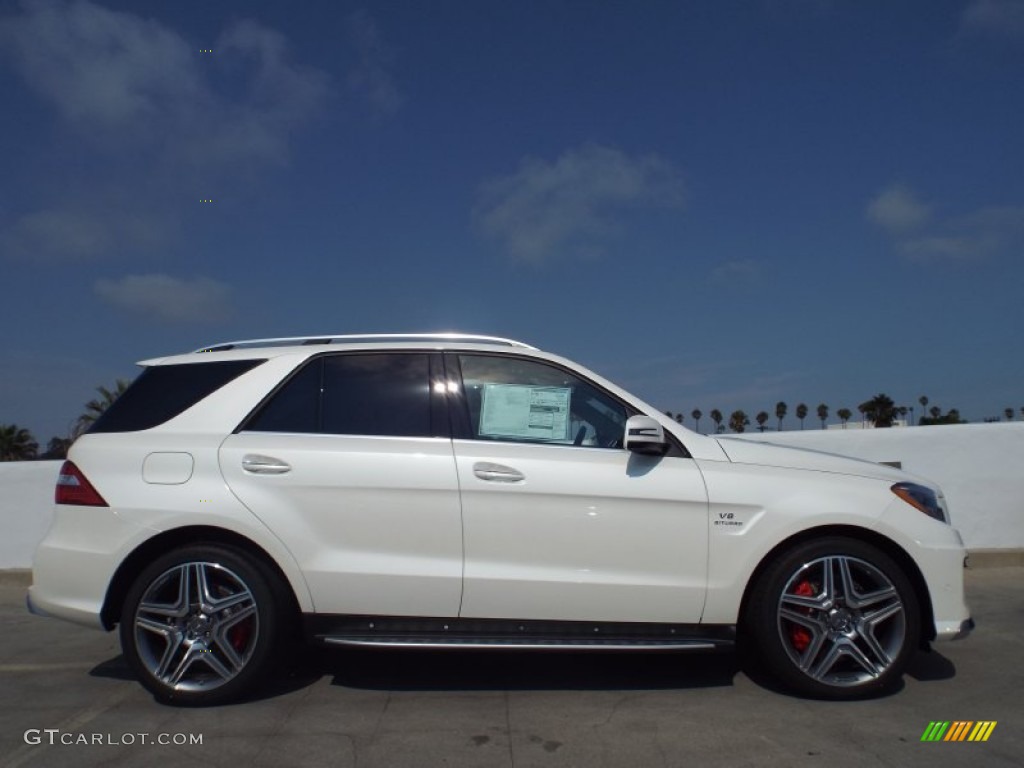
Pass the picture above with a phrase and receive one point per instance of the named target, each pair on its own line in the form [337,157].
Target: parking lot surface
[67,699]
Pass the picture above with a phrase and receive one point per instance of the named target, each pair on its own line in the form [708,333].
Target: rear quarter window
[162,392]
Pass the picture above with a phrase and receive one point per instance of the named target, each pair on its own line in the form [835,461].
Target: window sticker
[522,411]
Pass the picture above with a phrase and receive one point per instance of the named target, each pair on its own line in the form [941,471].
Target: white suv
[468,491]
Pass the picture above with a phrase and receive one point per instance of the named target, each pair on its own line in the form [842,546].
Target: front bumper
[938,551]
[951,630]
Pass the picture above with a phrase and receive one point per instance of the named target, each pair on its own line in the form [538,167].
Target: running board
[523,644]
[513,634]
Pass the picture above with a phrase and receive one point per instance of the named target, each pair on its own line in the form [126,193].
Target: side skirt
[512,634]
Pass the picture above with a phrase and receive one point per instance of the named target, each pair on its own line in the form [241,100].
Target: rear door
[350,463]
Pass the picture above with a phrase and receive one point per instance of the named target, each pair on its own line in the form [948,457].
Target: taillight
[73,488]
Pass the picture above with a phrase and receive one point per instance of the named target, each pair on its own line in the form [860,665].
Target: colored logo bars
[959,730]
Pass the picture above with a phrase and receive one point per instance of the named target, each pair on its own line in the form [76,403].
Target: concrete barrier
[26,508]
[979,467]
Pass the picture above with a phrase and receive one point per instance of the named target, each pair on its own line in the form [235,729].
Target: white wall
[26,508]
[979,466]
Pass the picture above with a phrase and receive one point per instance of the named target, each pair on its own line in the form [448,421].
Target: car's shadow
[453,670]
[926,666]
[525,670]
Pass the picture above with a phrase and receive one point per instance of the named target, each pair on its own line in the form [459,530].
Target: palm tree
[924,404]
[880,409]
[679,417]
[1009,414]
[95,407]
[761,418]
[780,412]
[716,416]
[17,443]
[697,414]
[844,415]
[801,413]
[935,411]
[738,421]
[57,448]
[822,414]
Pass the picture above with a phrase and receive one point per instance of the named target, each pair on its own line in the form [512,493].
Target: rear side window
[377,395]
[355,394]
[161,392]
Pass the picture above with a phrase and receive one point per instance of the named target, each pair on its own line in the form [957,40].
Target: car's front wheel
[834,618]
[200,625]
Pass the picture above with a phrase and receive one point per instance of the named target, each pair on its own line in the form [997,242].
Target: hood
[742,451]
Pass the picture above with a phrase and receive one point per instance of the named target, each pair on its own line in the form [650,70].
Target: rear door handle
[264,465]
[497,473]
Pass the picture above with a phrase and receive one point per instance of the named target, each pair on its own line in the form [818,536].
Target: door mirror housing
[645,435]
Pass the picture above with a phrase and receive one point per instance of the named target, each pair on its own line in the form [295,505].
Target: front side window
[518,400]
[354,394]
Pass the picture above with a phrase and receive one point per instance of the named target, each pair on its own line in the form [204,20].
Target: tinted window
[513,399]
[295,407]
[379,394]
[371,394]
[161,392]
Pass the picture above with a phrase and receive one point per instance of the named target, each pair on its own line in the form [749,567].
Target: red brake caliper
[239,634]
[798,635]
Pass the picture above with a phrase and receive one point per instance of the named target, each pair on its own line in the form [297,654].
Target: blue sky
[716,204]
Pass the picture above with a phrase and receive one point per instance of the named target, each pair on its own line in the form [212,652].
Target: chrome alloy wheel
[841,621]
[196,626]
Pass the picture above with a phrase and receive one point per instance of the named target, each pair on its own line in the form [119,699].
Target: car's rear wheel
[834,618]
[201,624]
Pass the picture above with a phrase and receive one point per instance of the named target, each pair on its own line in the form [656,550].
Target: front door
[561,522]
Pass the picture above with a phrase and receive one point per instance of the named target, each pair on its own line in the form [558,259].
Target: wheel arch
[166,541]
[885,544]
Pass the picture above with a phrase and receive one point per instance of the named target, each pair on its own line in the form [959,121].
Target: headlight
[921,498]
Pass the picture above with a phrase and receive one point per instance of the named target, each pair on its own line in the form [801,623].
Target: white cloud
[115,76]
[739,270]
[897,210]
[983,233]
[948,247]
[166,123]
[77,231]
[570,205]
[166,298]
[986,232]
[1000,18]
[371,75]
[100,66]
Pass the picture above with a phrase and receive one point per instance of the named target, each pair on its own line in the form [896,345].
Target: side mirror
[645,435]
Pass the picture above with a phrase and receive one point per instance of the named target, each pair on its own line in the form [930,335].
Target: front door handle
[264,465]
[497,473]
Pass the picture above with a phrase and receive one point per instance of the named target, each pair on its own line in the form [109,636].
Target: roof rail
[363,337]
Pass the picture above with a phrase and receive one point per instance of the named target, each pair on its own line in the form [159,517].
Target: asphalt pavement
[67,699]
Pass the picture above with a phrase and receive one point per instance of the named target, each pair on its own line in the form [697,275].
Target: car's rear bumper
[74,564]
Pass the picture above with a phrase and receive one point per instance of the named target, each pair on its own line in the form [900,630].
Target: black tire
[833,618]
[196,646]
